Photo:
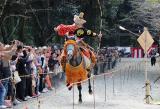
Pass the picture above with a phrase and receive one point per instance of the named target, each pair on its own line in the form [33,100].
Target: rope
[59,72]
[107,74]
[40,74]
[47,73]
[28,75]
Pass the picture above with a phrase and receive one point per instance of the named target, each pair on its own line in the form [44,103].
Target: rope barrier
[110,73]
[51,73]
[107,74]
[29,75]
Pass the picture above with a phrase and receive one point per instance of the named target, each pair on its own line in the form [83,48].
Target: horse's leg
[79,86]
[89,84]
[69,87]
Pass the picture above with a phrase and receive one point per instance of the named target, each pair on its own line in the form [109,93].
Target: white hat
[7,46]
[79,19]
[44,47]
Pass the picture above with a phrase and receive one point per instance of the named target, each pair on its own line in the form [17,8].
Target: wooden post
[73,96]
[147,82]
[105,86]
[94,99]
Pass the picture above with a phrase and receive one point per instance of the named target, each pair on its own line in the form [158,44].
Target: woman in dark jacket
[21,68]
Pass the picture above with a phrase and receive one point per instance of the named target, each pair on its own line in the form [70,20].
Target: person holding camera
[6,53]
[21,68]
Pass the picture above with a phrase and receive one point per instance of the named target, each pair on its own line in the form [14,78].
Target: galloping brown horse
[77,65]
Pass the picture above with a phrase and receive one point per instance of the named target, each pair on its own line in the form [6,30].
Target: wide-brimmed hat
[79,19]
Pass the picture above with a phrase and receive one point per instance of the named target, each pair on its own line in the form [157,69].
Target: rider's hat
[79,19]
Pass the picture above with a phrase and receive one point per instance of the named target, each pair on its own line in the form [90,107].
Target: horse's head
[70,49]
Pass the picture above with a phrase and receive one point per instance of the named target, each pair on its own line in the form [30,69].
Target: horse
[77,65]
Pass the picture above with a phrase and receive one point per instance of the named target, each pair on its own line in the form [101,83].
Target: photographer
[21,68]
[5,73]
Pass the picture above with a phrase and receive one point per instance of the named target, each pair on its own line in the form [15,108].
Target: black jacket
[21,65]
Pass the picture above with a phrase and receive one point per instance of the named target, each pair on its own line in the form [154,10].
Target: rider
[78,32]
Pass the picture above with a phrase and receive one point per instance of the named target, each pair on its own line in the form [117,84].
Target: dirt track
[123,91]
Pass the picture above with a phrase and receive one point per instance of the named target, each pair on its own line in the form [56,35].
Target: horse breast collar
[81,65]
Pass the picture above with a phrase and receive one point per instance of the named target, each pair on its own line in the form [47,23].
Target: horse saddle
[86,52]
[87,56]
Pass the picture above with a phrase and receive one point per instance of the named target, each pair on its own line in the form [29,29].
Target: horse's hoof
[90,92]
[80,101]
[69,88]
[89,70]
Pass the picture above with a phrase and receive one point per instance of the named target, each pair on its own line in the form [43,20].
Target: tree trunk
[4,38]
[21,30]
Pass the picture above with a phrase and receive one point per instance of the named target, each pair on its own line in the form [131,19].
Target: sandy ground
[124,90]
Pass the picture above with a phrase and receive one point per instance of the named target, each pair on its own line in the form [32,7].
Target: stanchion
[147,83]
[39,103]
[94,94]
[124,76]
[139,67]
[73,96]
[131,73]
[113,84]
[128,74]
[39,106]
[105,86]
[121,78]
[148,91]
[134,70]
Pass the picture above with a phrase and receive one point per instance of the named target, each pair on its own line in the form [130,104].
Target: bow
[101,21]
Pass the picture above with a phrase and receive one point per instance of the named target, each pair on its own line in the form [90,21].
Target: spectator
[5,73]
[21,68]
[33,65]
[153,58]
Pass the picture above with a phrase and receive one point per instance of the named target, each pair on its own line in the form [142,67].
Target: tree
[32,21]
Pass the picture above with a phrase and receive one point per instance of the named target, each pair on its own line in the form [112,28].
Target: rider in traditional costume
[77,32]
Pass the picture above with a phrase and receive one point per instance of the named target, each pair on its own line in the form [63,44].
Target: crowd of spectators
[107,59]
[26,72]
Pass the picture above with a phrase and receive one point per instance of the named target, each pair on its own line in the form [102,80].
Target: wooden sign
[145,40]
